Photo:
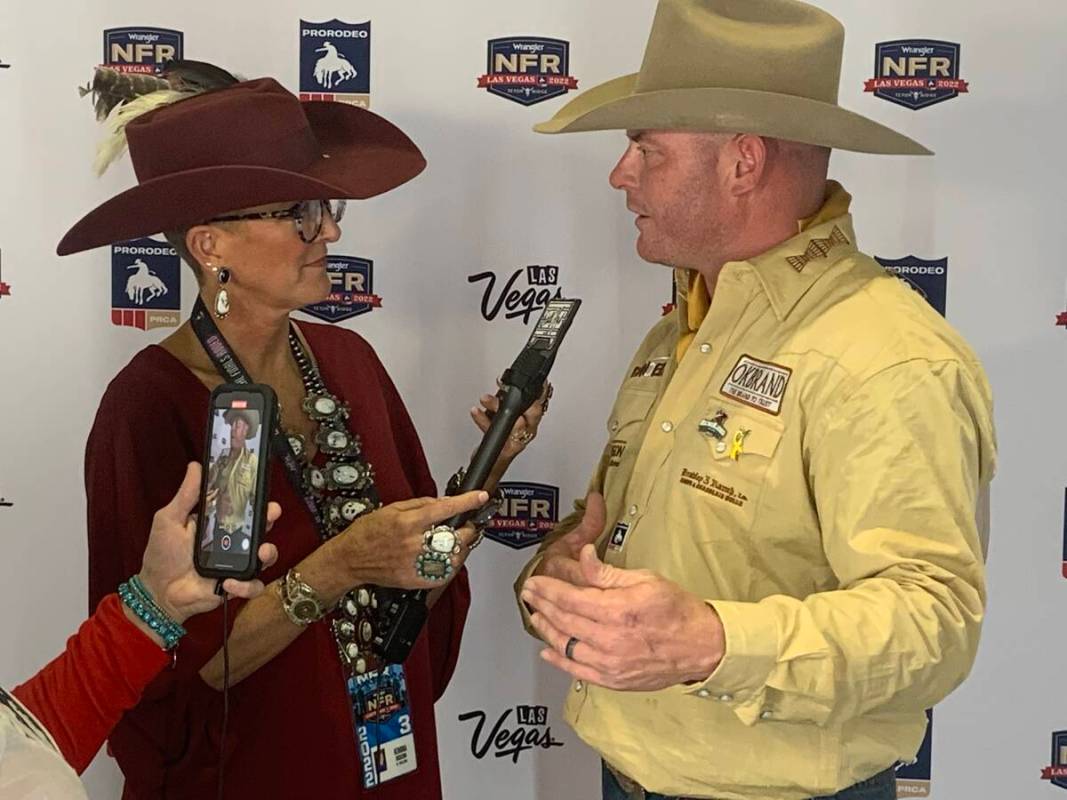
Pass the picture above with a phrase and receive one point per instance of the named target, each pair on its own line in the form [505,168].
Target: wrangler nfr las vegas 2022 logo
[528,69]
[917,73]
[141,49]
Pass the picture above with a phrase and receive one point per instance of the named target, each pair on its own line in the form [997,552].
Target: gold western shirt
[832,526]
[235,478]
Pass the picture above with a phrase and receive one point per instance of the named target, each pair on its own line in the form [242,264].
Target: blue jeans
[882,786]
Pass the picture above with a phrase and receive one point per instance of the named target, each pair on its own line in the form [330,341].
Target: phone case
[268,423]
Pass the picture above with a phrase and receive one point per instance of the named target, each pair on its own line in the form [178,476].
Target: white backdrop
[497,197]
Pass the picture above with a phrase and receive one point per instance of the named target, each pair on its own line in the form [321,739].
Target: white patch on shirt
[759,384]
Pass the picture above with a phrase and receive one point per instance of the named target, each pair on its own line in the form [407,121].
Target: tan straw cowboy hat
[768,67]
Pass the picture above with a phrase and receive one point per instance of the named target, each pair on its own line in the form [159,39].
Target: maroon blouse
[290,730]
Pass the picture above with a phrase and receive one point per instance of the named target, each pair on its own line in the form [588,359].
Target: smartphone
[233,494]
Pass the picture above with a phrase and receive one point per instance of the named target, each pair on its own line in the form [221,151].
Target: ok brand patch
[758,384]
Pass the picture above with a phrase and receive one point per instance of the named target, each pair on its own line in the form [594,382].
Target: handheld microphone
[403,614]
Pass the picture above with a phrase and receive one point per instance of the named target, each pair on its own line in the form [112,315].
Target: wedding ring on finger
[568,651]
[439,545]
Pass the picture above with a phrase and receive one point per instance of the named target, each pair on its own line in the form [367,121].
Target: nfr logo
[145,284]
[142,49]
[916,73]
[528,69]
[927,277]
[529,511]
[1056,772]
[335,62]
[351,290]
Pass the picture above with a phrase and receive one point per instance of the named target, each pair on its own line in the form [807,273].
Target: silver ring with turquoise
[439,545]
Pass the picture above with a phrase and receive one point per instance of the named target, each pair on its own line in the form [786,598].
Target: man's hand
[636,631]
[560,559]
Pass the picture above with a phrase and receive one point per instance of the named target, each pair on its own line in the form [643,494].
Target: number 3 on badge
[405,724]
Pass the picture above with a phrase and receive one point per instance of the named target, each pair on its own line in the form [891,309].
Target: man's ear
[746,156]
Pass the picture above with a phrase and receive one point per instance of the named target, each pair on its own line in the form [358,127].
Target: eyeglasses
[307,215]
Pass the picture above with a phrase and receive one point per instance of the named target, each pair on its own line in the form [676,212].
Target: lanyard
[231,368]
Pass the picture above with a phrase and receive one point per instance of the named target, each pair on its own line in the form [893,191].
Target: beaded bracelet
[141,592]
[138,599]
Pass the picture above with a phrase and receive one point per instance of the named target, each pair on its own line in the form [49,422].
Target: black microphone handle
[483,460]
[511,408]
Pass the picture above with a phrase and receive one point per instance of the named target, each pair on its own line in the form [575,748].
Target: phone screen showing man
[230,487]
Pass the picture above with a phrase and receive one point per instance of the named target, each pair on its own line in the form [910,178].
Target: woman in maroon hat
[248,183]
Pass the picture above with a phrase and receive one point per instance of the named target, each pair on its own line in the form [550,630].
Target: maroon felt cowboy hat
[247,145]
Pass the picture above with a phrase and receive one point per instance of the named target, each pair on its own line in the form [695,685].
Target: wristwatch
[299,601]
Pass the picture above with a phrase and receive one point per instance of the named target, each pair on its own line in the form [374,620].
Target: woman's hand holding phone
[168,572]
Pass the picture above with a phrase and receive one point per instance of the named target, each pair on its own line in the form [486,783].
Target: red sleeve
[80,695]
[449,614]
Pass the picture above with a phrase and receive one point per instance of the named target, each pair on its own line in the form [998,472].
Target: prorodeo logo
[530,729]
[529,511]
[145,284]
[140,49]
[351,290]
[335,62]
[528,69]
[917,73]
[928,277]
[516,299]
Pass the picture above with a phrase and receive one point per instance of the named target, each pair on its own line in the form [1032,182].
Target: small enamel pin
[714,428]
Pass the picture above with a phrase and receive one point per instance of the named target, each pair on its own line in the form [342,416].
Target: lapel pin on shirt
[737,449]
[714,428]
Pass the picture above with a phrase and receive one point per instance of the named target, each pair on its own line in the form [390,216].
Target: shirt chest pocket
[625,425]
[723,467]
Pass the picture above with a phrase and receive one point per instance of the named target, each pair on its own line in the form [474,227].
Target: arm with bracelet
[71,705]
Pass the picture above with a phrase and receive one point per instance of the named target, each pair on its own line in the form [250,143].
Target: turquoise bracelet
[137,598]
[140,591]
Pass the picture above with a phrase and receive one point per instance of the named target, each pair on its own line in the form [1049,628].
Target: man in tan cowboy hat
[787,569]
[231,481]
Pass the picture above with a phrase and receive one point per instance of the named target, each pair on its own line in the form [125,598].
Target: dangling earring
[222,297]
